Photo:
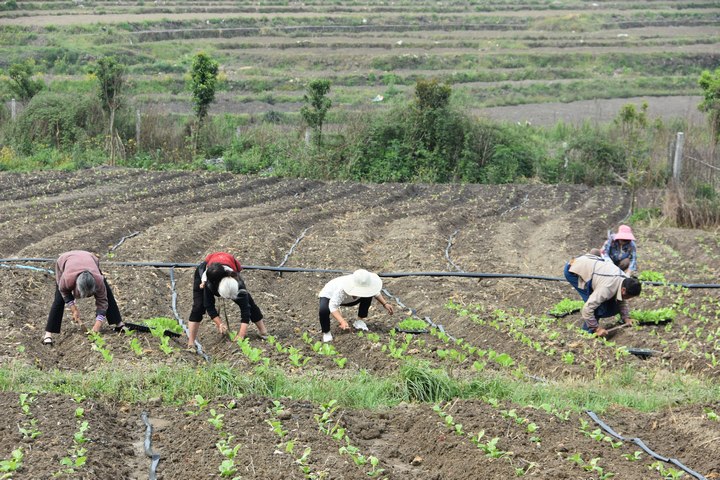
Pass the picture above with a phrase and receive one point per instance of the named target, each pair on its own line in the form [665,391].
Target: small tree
[21,83]
[710,83]
[203,84]
[111,80]
[633,125]
[317,105]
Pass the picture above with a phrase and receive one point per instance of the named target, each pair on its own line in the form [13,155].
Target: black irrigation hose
[524,201]
[123,239]
[447,251]
[386,275]
[642,445]
[154,457]
[27,267]
[173,304]
[297,241]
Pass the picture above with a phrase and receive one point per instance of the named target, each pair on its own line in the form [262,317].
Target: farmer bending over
[219,276]
[604,288]
[358,288]
[78,275]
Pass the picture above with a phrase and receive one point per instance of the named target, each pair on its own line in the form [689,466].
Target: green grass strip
[415,382]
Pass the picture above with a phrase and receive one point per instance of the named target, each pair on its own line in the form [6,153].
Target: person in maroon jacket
[78,275]
[219,276]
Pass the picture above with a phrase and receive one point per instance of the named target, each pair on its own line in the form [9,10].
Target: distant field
[499,56]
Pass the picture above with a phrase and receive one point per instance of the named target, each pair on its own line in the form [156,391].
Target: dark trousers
[58,308]
[324,312]
[609,308]
[201,296]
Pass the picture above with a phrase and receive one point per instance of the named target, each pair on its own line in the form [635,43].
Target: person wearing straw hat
[78,275]
[219,276]
[621,249]
[358,288]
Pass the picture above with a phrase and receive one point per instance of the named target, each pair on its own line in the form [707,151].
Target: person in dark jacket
[78,275]
[219,276]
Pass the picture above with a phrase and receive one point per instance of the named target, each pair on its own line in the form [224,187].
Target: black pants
[202,295]
[324,312]
[58,308]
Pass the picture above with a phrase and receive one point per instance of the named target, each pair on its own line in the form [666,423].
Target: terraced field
[542,60]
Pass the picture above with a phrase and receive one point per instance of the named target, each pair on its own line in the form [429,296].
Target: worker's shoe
[327,337]
[360,325]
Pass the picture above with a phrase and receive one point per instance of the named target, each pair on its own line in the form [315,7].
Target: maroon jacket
[71,264]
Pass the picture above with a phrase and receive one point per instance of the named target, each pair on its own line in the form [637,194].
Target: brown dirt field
[182,216]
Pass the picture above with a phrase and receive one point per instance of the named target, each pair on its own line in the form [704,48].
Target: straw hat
[228,288]
[362,284]
[624,233]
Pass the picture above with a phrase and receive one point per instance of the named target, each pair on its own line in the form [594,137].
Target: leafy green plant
[201,404]
[653,316]
[566,306]
[651,276]
[99,346]
[216,419]
[633,457]
[667,473]
[224,446]
[10,466]
[165,345]
[135,347]
[412,325]
[227,468]
[158,325]
[253,354]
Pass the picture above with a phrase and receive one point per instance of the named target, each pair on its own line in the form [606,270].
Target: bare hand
[76,315]
[344,325]
[221,327]
[601,332]
[389,309]
[97,326]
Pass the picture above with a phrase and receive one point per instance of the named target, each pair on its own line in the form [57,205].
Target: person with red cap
[621,249]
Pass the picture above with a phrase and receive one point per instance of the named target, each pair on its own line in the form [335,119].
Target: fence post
[13,109]
[677,161]
[137,130]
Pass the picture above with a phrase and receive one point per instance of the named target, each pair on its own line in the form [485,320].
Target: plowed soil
[266,222]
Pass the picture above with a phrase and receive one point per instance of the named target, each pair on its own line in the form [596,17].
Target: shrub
[57,119]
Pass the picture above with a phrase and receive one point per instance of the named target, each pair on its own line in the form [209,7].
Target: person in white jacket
[358,288]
